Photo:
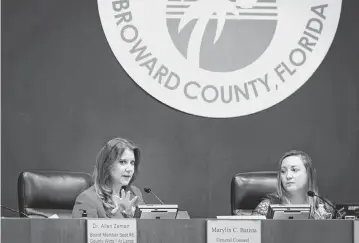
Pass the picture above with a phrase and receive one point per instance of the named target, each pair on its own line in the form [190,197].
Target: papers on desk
[245,217]
[54,217]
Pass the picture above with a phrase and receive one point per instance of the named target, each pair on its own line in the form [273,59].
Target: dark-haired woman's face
[293,174]
[123,169]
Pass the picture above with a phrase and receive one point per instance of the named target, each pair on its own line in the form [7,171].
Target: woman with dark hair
[296,176]
[112,195]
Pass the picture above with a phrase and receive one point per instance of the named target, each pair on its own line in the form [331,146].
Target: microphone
[148,190]
[15,211]
[312,194]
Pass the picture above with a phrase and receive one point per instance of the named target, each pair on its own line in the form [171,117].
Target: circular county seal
[220,58]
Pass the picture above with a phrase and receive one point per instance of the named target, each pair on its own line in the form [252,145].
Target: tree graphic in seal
[221,35]
[203,10]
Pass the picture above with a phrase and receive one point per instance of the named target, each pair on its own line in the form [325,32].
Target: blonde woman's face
[293,174]
[123,169]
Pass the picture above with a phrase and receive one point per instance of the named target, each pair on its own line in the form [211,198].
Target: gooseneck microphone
[313,194]
[15,211]
[148,190]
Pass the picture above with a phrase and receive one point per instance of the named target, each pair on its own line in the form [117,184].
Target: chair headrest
[248,189]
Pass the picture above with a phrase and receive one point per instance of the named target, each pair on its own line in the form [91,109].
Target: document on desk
[234,231]
[111,231]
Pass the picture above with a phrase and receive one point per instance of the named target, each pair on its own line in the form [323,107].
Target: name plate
[233,231]
[111,231]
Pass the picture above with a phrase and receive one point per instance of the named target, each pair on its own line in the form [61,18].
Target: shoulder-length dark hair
[311,183]
[109,154]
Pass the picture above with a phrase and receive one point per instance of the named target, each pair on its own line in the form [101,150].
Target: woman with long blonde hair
[296,176]
[112,195]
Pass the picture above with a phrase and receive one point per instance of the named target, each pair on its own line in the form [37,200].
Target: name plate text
[111,231]
[233,231]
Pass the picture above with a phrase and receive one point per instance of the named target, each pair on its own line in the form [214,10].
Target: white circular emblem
[220,58]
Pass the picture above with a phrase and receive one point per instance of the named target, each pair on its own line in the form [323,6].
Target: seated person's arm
[138,193]
[262,208]
[84,202]
[140,200]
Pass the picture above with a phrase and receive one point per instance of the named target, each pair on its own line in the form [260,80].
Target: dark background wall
[64,94]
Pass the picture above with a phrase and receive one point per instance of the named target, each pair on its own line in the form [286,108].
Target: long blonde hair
[109,154]
[312,179]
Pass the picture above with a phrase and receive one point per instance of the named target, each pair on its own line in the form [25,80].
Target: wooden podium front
[20,230]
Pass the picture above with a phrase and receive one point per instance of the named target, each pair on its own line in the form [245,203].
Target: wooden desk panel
[307,231]
[356,231]
[58,230]
[178,231]
[171,231]
[14,230]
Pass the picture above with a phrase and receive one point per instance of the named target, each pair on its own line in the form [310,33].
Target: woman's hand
[123,202]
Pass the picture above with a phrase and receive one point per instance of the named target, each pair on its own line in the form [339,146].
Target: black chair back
[248,189]
[45,193]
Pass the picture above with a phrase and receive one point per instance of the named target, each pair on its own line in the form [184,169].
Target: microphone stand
[148,190]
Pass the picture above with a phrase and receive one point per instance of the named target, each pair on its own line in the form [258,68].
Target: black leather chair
[248,189]
[45,193]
